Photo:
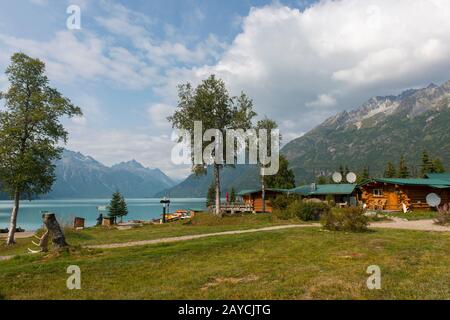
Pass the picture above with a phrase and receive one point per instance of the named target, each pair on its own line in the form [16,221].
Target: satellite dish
[351,177]
[433,200]
[337,177]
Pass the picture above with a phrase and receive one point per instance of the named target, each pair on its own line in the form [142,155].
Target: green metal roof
[440,176]
[302,190]
[250,191]
[247,191]
[434,183]
[306,190]
[325,189]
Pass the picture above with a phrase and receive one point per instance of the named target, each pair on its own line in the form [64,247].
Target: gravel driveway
[421,225]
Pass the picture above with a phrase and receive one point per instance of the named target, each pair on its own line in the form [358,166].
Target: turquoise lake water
[139,209]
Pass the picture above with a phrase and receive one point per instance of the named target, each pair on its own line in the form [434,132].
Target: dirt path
[19,235]
[4,258]
[421,225]
[197,236]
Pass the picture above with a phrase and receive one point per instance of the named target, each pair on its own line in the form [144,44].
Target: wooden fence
[232,208]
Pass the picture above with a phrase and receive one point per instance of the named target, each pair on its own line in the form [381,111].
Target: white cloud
[39,2]
[323,100]
[4,84]
[71,58]
[112,146]
[136,27]
[93,114]
[158,114]
[334,55]
[299,66]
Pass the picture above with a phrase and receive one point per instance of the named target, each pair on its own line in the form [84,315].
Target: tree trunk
[58,239]
[263,193]
[217,183]
[13,224]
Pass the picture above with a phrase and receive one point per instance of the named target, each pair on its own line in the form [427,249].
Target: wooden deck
[228,208]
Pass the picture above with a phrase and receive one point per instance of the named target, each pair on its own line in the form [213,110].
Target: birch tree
[30,131]
[211,104]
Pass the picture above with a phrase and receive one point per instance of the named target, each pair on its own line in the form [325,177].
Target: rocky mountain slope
[80,176]
[240,177]
[379,131]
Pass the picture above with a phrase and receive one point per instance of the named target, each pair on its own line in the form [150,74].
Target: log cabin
[389,194]
[342,194]
[254,198]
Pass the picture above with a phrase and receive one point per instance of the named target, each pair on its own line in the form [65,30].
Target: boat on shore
[178,215]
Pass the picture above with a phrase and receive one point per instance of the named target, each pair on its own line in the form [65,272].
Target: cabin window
[377,192]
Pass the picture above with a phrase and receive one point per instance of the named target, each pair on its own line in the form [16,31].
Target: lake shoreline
[145,209]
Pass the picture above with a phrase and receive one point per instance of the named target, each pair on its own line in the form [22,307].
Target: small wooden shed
[254,198]
[78,222]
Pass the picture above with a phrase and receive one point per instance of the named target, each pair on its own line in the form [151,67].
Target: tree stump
[58,238]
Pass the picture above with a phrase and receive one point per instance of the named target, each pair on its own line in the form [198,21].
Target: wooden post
[58,238]
[164,214]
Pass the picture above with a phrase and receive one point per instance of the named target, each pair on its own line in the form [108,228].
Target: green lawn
[201,223]
[301,263]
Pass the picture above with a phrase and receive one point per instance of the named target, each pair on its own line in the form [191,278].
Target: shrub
[282,201]
[347,219]
[330,200]
[443,217]
[308,210]
[289,207]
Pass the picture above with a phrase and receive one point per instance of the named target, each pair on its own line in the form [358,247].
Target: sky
[300,61]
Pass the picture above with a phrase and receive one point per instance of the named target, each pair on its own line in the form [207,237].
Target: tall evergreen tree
[268,125]
[117,207]
[284,179]
[321,180]
[30,132]
[427,164]
[232,195]
[123,208]
[365,173]
[438,166]
[390,171]
[211,195]
[403,170]
[341,170]
[346,171]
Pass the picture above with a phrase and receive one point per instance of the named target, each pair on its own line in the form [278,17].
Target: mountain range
[240,177]
[378,131]
[80,176]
